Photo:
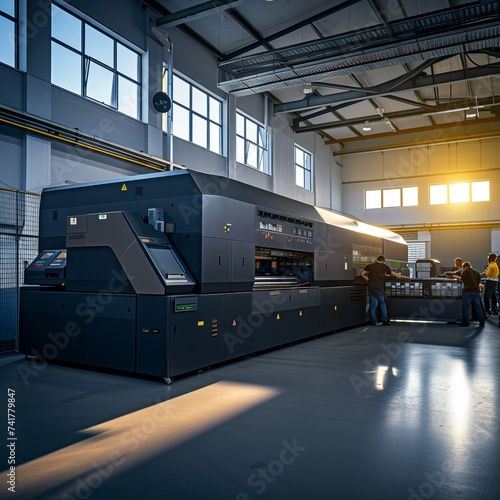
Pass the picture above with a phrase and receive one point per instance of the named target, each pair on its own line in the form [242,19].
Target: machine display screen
[166,262]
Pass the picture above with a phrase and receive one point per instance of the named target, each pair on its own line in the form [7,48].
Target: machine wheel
[167,380]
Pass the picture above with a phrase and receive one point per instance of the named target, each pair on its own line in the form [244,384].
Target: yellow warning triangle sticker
[278,316]
[124,187]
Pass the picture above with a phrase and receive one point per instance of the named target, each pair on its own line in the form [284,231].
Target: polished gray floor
[408,411]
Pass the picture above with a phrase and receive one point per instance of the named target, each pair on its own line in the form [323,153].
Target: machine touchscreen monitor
[166,262]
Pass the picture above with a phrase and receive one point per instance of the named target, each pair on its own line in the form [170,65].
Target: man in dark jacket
[374,274]
[471,294]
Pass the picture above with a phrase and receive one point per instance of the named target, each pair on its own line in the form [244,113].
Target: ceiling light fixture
[308,88]
[390,124]
[473,110]
[366,126]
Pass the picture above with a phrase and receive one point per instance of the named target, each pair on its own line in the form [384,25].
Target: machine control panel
[423,288]
[280,231]
[49,268]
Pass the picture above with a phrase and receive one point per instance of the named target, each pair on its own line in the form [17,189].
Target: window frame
[259,145]
[306,169]
[381,197]
[14,19]
[87,61]
[448,188]
[211,124]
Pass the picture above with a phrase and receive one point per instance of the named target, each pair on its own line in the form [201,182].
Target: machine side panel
[70,326]
[91,269]
[238,328]
[228,218]
[197,338]
[283,316]
[153,335]
[139,271]
[342,307]
[242,265]
[52,324]
[110,339]
[216,265]
[36,320]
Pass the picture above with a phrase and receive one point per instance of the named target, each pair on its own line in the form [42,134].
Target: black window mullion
[84,62]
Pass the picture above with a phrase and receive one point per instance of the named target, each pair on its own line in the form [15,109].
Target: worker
[374,274]
[471,294]
[455,273]
[459,267]
[490,288]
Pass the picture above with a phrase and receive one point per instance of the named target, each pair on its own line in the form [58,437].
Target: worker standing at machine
[374,274]
[471,294]
[490,289]
[459,267]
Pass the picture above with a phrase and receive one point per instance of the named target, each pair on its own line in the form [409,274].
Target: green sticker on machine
[186,307]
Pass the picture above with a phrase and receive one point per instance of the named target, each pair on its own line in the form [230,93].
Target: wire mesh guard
[18,247]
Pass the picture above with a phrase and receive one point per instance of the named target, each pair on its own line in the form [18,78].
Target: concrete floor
[408,411]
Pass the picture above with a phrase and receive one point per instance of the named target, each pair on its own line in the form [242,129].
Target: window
[303,168]
[8,30]
[480,191]
[410,197]
[196,115]
[416,250]
[438,194]
[460,192]
[251,143]
[393,197]
[373,198]
[91,63]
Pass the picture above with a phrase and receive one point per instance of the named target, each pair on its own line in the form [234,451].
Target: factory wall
[38,161]
[421,167]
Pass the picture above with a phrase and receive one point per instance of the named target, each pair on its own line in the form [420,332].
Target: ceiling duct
[441,33]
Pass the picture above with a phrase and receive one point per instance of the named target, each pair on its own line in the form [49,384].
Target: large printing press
[169,273]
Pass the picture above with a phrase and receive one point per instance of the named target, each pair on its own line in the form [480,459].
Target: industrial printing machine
[165,274]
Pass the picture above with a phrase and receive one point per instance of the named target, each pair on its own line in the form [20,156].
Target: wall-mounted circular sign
[161,102]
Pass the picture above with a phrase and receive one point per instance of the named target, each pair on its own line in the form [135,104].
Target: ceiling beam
[444,32]
[290,29]
[413,131]
[353,96]
[412,143]
[427,110]
[196,12]
[249,28]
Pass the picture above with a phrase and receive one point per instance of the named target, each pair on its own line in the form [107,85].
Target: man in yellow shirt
[490,289]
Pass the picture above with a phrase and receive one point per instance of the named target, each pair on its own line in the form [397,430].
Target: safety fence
[18,247]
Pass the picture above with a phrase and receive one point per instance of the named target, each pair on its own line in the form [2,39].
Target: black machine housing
[172,272]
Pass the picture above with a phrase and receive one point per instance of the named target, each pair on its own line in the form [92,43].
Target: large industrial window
[303,168]
[392,197]
[459,192]
[8,27]
[251,143]
[93,64]
[196,115]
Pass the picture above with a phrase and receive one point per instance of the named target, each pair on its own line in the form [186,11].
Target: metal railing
[18,247]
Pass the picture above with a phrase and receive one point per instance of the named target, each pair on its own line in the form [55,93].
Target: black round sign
[161,102]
